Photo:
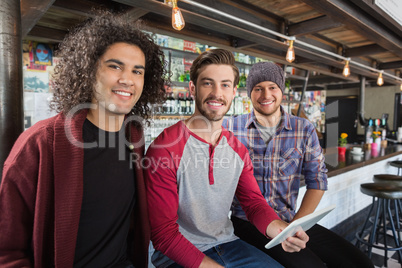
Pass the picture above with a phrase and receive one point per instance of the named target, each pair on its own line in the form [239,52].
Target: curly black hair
[80,51]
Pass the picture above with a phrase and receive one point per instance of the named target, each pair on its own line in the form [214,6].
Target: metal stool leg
[398,224]
[360,234]
[385,217]
[373,231]
[397,245]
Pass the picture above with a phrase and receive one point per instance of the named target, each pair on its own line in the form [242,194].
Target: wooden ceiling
[351,28]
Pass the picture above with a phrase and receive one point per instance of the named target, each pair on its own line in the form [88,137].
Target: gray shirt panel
[204,207]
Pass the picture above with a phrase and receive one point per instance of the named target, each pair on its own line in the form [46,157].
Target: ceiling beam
[79,7]
[241,43]
[50,34]
[161,25]
[390,65]
[364,50]
[250,7]
[87,6]
[225,25]
[370,7]
[312,26]
[352,85]
[209,21]
[136,13]
[359,21]
[31,12]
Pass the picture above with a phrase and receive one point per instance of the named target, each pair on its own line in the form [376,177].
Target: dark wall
[344,115]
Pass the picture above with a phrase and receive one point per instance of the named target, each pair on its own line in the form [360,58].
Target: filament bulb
[380,80]
[290,55]
[346,69]
[177,18]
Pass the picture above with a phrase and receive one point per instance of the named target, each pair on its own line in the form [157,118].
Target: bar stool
[397,164]
[388,178]
[391,180]
[384,193]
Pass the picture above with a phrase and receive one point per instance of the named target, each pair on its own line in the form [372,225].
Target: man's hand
[291,244]
[207,262]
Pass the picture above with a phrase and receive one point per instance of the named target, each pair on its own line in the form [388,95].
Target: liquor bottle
[165,106]
[192,104]
[182,104]
[369,131]
[188,103]
[176,104]
[238,109]
[230,111]
[171,102]
[246,108]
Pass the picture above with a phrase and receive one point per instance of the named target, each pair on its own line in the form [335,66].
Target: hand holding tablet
[303,223]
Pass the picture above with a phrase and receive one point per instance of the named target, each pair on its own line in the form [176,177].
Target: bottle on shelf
[369,131]
[192,104]
[238,108]
[188,103]
[164,108]
[172,102]
[182,102]
[176,104]
[230,111]
[246,105]
[166,104]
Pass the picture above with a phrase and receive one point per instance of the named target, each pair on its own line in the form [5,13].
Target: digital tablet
[303,223]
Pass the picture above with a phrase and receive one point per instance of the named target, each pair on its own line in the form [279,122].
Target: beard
[264,113]
[211,115]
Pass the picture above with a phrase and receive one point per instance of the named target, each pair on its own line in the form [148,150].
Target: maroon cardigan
[41,196]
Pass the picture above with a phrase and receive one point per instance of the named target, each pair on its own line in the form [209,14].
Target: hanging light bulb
[290,55]
[177,18]
[380,80]
[346,69]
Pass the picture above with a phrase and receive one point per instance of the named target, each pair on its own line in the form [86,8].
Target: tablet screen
[303,223]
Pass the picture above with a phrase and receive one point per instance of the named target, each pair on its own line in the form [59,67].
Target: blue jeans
[238,254]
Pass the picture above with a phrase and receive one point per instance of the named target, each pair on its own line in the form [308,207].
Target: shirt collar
[285,120]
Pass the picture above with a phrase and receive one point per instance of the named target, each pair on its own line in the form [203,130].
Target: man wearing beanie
[284,148]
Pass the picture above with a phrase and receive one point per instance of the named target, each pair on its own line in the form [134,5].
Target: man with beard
[195,169]
[283,148]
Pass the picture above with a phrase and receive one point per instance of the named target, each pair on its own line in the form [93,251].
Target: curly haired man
[72,192]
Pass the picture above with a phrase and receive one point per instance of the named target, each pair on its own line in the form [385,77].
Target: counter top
[337,164]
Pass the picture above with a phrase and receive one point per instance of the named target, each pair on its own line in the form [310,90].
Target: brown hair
[214,56]
[80,51]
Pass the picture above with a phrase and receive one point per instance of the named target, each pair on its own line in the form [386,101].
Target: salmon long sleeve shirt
[190,188]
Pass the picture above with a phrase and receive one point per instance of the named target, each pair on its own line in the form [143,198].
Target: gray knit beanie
[265,71]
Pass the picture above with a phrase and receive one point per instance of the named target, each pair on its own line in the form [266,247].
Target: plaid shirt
[294,151]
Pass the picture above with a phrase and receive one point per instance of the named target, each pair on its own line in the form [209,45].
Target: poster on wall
[42,106]
[35,81]
[177,68]
[50,71]
[37,107]
[42,53]
[28,56]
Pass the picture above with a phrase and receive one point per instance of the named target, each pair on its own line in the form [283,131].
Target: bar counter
[336,164]
[345,174]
